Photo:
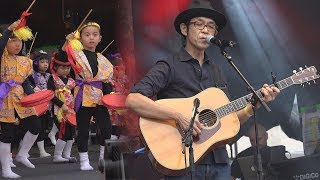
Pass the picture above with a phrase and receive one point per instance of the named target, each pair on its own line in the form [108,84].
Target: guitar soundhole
[207,117]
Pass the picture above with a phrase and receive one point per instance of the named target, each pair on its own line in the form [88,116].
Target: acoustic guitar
[216,112]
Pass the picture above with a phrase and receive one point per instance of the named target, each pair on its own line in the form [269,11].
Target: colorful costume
[63,87]
[38,81]
[92,83]
[14,71]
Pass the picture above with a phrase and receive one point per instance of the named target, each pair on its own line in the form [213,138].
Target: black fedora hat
[200,10]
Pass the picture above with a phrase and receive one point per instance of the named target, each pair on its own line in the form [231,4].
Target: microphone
[196,102]
[220,43]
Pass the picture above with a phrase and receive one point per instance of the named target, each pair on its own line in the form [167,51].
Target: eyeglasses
[212,27]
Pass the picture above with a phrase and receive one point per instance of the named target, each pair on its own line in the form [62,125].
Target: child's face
[43,65]
[90,37]
[63,71]
[14,46]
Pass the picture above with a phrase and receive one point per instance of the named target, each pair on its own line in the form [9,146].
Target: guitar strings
[224,110]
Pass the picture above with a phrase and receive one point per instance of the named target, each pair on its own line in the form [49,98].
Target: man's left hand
[269,93]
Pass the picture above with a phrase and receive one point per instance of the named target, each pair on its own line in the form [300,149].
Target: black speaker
[121,162]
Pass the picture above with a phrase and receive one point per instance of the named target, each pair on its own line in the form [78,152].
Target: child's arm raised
[69,37]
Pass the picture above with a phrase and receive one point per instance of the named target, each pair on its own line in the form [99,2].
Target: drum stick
[85,18]
[107,47]
[34,38]
[30,5]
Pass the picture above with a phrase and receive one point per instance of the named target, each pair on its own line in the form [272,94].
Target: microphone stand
[257,148]
[253,100]
[188,139]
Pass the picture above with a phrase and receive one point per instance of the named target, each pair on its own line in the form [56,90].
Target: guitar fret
[286,83]
[218,112]
[224,111]
[240,102]
[279,85]
[290,82]
[244,102]
[228,108]
[283,84]
[221,113]
[237,104]
[232,108]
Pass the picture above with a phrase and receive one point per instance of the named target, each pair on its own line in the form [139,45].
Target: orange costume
[92,95]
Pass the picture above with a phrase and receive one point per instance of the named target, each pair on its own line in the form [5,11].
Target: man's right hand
[184,123]
[14,25]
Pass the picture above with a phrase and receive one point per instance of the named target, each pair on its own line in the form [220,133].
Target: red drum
[71,117]
[114,101]
[41,108]
[37,98]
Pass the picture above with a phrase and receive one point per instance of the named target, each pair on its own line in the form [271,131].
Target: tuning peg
[308,83]
[302,85]
[314,81]
[306,66]
[294,71]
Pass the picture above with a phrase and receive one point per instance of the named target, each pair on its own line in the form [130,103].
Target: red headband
[54,60]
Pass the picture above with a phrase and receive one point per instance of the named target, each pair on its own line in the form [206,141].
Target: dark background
[54,19]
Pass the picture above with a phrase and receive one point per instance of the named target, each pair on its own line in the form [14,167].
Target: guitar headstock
[305,75]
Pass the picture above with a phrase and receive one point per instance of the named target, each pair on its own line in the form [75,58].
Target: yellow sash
[60,95]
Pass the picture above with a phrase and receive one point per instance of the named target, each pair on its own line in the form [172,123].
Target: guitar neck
[242,102]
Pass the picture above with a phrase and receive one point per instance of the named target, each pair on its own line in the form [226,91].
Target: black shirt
[181,76]
[92,59]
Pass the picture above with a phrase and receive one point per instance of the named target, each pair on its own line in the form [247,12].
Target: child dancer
[62,84]
[14,71]
[41,65]
[39,81]
[92,83]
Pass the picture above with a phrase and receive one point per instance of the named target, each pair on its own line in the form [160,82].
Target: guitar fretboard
[240,103]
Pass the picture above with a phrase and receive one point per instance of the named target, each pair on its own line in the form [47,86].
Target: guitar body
[164,137]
